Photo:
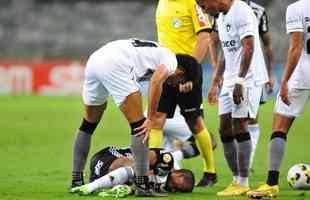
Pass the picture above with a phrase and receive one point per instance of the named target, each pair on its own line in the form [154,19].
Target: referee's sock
[155,138]
[204,143]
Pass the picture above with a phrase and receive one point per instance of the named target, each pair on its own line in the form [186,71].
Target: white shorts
[248,107]
[298,98]
[105,76]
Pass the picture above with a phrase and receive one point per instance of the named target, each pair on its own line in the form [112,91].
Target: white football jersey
[141,56]
[238,23]
[298,20]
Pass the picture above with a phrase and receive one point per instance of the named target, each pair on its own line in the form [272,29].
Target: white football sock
[177,157]
[115,177]
[244,181]
[254,132]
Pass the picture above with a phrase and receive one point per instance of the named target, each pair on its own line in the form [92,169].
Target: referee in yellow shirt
[184,28]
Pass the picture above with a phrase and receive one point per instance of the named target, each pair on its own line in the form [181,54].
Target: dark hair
[187,184]
[192,68]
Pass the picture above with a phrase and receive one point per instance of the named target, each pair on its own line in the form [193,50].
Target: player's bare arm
[213,44]
[294,53]
[248,49]
[155,90]
[217,78]
[201,47]
[267,42]
[200,51]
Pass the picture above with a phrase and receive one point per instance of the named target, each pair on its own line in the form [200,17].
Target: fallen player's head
[182,180]
[189,69]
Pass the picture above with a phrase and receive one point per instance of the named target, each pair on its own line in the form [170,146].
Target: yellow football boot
[263,191]
[234,189]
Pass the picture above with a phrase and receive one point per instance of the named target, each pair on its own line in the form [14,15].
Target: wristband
[240,80]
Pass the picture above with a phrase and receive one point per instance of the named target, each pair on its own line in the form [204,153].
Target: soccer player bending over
[294,93]
[118,163]
[244,75]
[115,69]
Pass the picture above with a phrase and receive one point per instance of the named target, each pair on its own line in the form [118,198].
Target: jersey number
[143,43]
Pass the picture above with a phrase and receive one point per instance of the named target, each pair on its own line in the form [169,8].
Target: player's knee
[135,125]
[239,125]
[195,123]
[88,127]
[93,114]
[226,135]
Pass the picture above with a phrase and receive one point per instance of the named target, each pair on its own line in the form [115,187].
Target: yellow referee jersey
[178,23]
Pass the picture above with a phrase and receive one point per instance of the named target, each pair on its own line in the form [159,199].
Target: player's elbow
[159,77]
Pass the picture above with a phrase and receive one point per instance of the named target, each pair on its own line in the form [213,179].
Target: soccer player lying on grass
[115,69]
[114,166]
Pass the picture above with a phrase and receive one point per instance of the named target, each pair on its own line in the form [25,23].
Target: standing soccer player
[184,28]
[265,36]
[244,77]
[294,93]
[115,70]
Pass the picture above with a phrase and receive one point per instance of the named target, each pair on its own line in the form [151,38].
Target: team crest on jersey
[98,167]
[228,27]
[176,22]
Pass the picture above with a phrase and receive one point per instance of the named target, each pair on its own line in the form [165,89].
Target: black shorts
[100,163]
[190,103]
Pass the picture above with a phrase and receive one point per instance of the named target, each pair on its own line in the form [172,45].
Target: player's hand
[284,93]
[212,95]
[144,130]
[238,94]
[186,87]
[270,85]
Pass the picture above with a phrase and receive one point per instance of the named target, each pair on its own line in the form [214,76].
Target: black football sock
[230,153]
[140,151]
[81,147]
[276,153]
[244,153]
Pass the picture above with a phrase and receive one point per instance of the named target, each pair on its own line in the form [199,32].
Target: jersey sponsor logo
[201,17]
[176,22]
[230,45]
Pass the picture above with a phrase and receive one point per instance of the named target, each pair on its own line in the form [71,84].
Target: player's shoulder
[296,6]
[241,8]
[242,11]
[243,5]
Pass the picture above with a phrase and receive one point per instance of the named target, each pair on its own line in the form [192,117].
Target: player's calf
[80,151]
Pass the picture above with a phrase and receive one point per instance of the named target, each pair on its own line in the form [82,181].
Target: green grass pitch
[36,144]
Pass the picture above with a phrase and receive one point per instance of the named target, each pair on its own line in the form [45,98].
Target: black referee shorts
[190,103]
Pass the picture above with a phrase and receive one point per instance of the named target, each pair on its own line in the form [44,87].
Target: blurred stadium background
[44,34]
